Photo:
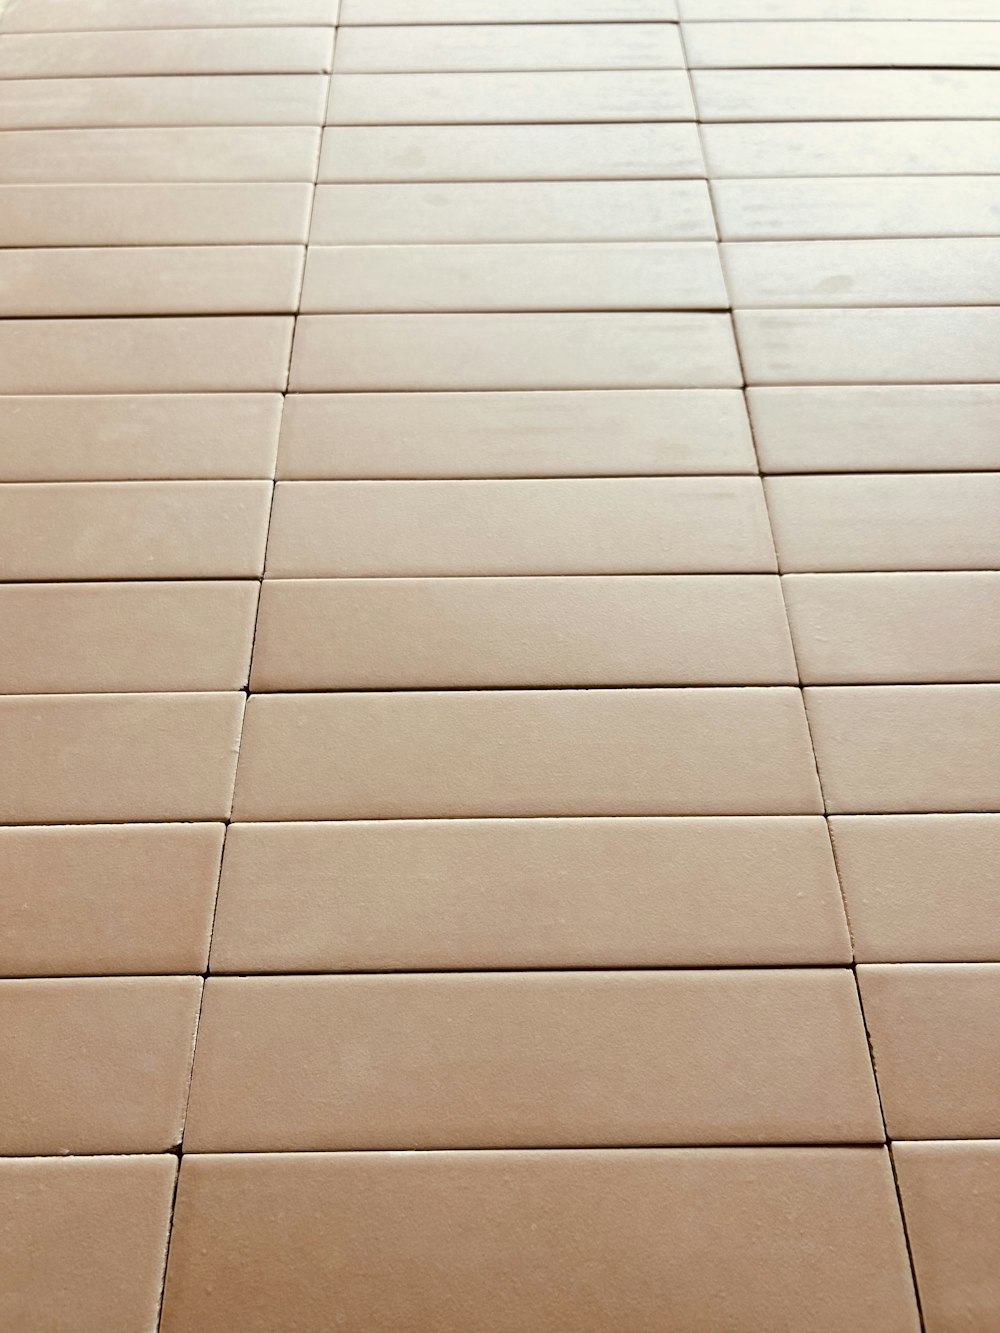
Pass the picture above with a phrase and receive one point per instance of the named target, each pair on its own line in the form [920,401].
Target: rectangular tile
[586,433]
[843,44]
[96,1064]
[276,1066]
[534,351]
[64,638]
[93,15]
[534,893]
[116,898]
[525,753]
[907,748]
[133,529]
[110,758]
[847,94]
[364,12]
[839,9]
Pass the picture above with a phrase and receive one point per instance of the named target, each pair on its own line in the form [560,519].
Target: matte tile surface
[837,9]
[847,94]
[365,12]
[57,15]
[841,43]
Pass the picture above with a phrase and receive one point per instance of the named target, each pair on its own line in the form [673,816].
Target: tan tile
[96,1065]
[133,529]
[88,758]
[364,12]
[533,893]
[525,752]
[921,888]
[934,1031]
[839,9]
[64,638]
[847,94]
[769,1055]
[85,1240]
[842,44]
[621,525]
[907,748]
[58,16]
[144,355]
[111,898]
[951,1194]
[551,351]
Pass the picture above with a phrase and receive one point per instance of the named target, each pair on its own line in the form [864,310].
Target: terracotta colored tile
[63,638]
[345,634]
[85,1240]
[838,9]
[390,1239]
[96,1065]
[934,1032]
[921,887]
[365,12]
[842,44]
[110,898]
[951,1194]
[58,16]
[886,521]
[494,893]
[129,529]
[907,748]
[523,752]
[642,525]
[551,351]
[433,1061]
[654,431]
[847,94]
[88,758]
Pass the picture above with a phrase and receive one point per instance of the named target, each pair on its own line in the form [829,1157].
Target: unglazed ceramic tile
[122,530]
[534,351]
[93,758]
[842,44]
[533,893]
[586,1232]
[58,16]
[921,887]
[110,898]
[587,433]
[769,1055]
[85,1241]
[837,9]
[847,94]
[525,753]
[96,1065]
[934,1031]
[364,12]
[64,638]
[621,525]
[907,748]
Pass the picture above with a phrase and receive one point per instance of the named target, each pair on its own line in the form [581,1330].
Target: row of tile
[74,15]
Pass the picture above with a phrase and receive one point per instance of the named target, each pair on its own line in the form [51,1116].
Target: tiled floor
[500,657]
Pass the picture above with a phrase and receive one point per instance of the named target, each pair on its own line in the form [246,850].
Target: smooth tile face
[921,887]
[919,748]
[525,753]
[88,758]
[85,1241]
[441,894]
[838,9]
[64,638]
[934,1033]
[644,525]
[109,898]
[433,1061]
[510,434]
[364,12]
[56,15]
[121,530]
[842,44]
[847,94]
[552,351]
[96,1065]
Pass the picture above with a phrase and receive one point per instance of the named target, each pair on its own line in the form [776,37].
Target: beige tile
[807,1237]
[587,433]
[133,529]
[847,94]
[550,351]
[889,521]
[951,1194]
[364,12]
[842,44]
[64,638]
[532,893]
[92,758]
[769,1055]
[934,1031]
[43,356]
[111,898]
[86,1241]
[921,887]
[525,753]
[57,15]
[97,1064]
[621,525]
[838,9]
[418,99]
[508,152]
[877,428]
[907,748]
